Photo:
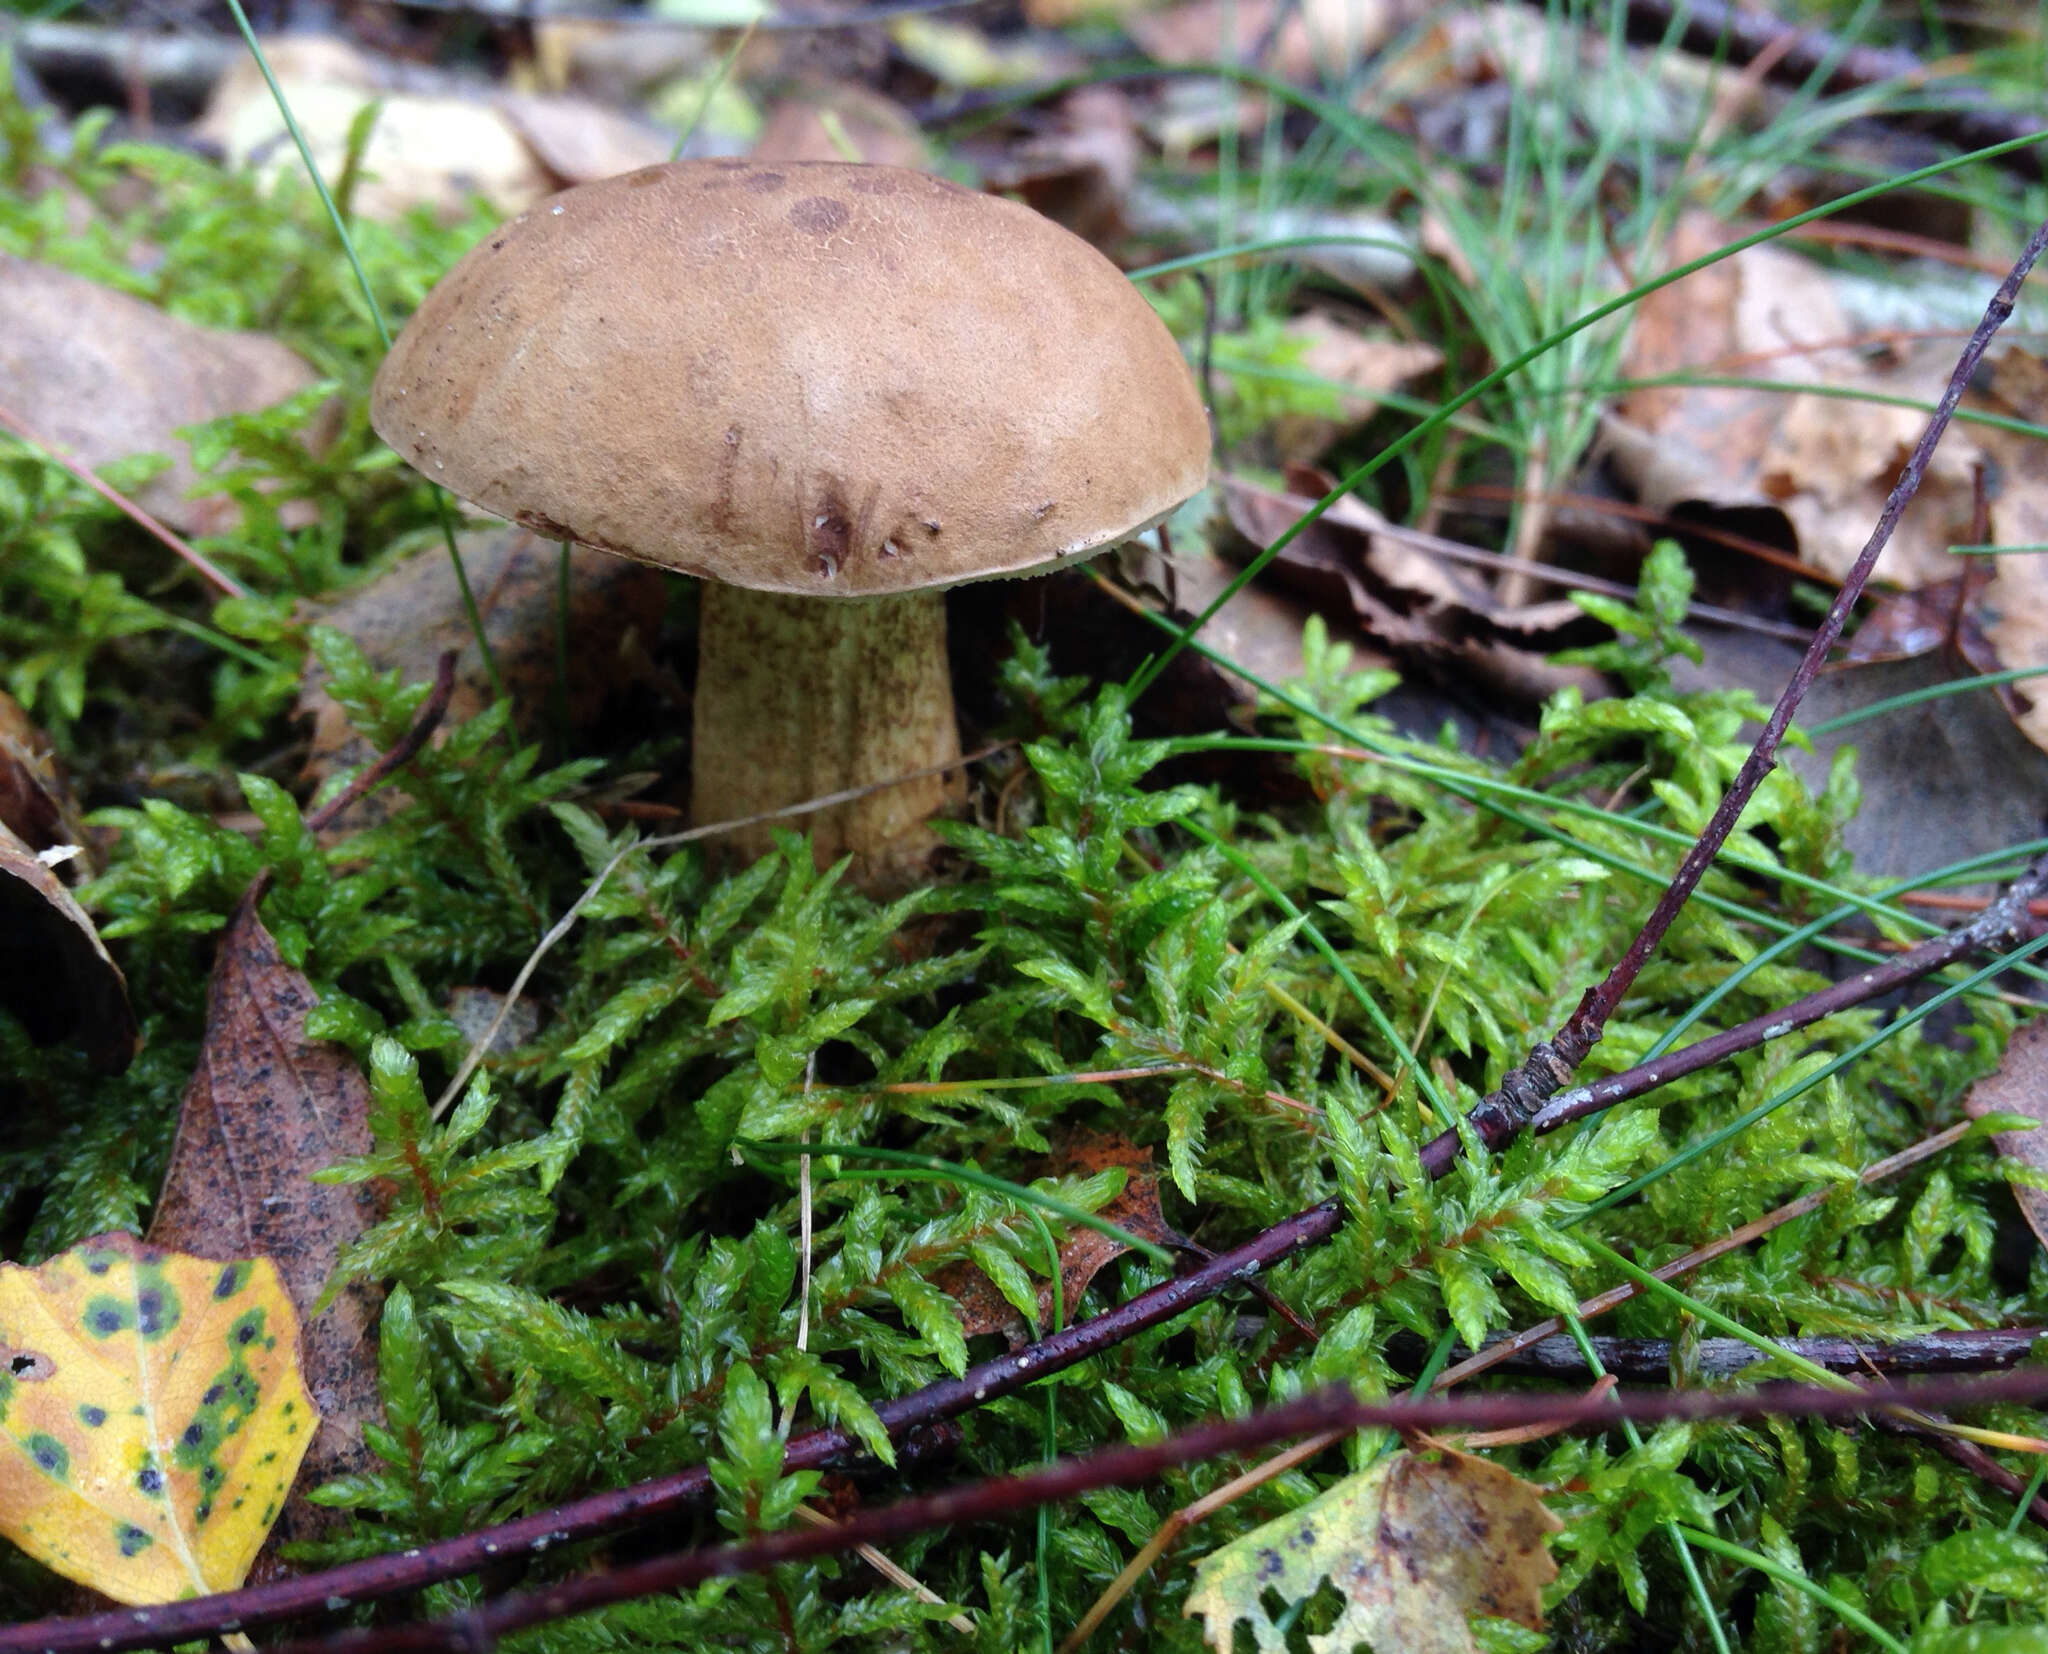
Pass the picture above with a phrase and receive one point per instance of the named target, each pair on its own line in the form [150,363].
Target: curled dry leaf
[55,973]
[1084,1253]
[35,798]
[409,615]
[1792,467]
[153,1416]
[1417,1545]
[266,1108]
[1419,609]
[104,376]
[2019,1085]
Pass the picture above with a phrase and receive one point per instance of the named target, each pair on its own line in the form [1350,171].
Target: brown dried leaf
[2019,1085]
[56,975]
[1085,1253]
[266,1108]
[1317,39]
[35,798]
[409,615]
[104,376]
[801,127]
[1076,167]
[1417,1544]
[1421,610]
[579,140]
[1819,465]
[1364,364]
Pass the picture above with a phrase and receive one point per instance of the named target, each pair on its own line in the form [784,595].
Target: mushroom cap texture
[817,378]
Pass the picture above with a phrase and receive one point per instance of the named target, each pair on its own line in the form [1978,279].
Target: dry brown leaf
[104,376]
[1085,1252]
[1317,39]
[35,798]
[879,130]
[1417,1545]
[266,1108]
[412,613]
[2019,1085]
[56,975]
[1077,168]
[438,148]
[1820,465]
[1421,610]
[1364,364]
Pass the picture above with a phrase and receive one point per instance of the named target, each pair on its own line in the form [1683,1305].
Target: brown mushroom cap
[811,377]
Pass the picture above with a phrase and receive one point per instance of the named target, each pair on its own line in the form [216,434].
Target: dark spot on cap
[766,183]
[499,243]
[644,177]
[819,214]
[876,183]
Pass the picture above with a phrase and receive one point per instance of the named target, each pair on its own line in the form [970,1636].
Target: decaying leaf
[2019,1085]
[822,120]
[1795,466]
[35,799]
[266,1108]
[153,1414]
[1417,1545]
[1320,39]
[1419,609]
[1364,364]
[55,973]
[1076,164]
[433,147]
[412,613]
[1084,1253]
[104,376]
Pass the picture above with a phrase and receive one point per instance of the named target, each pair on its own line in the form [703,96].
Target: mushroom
[829,391]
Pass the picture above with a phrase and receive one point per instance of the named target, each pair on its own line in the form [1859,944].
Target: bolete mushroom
[828,390]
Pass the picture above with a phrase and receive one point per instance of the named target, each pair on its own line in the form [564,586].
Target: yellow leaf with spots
[152,1416]
[1416,1544]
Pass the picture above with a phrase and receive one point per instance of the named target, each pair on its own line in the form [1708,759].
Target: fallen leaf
[1084,1254]
[2019,1085]
[579,140]
[1414,606]
[106,376]
[1417,1544]
[1077,165]
[475,1011]
[153,1413]
[410,614]
[808,123]
[266,1108]
[35,799]
[1317,39]
[959,54]
[56,975]
[1364,365]
[1790,466]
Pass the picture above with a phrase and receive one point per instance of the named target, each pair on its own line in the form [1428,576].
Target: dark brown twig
[1707,27]
[1001,1498]
[1648,1360]
[1501,1116]
[386,764]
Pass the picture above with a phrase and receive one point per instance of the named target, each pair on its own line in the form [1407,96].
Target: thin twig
[1501,1116]
[218,578]
[374,774]
[1648,1360]
[1001,1498]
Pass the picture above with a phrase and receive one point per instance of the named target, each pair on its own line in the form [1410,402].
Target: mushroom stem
[798,697]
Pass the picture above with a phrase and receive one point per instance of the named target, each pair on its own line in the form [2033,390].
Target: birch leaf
[1416,1545]
[152,1416]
